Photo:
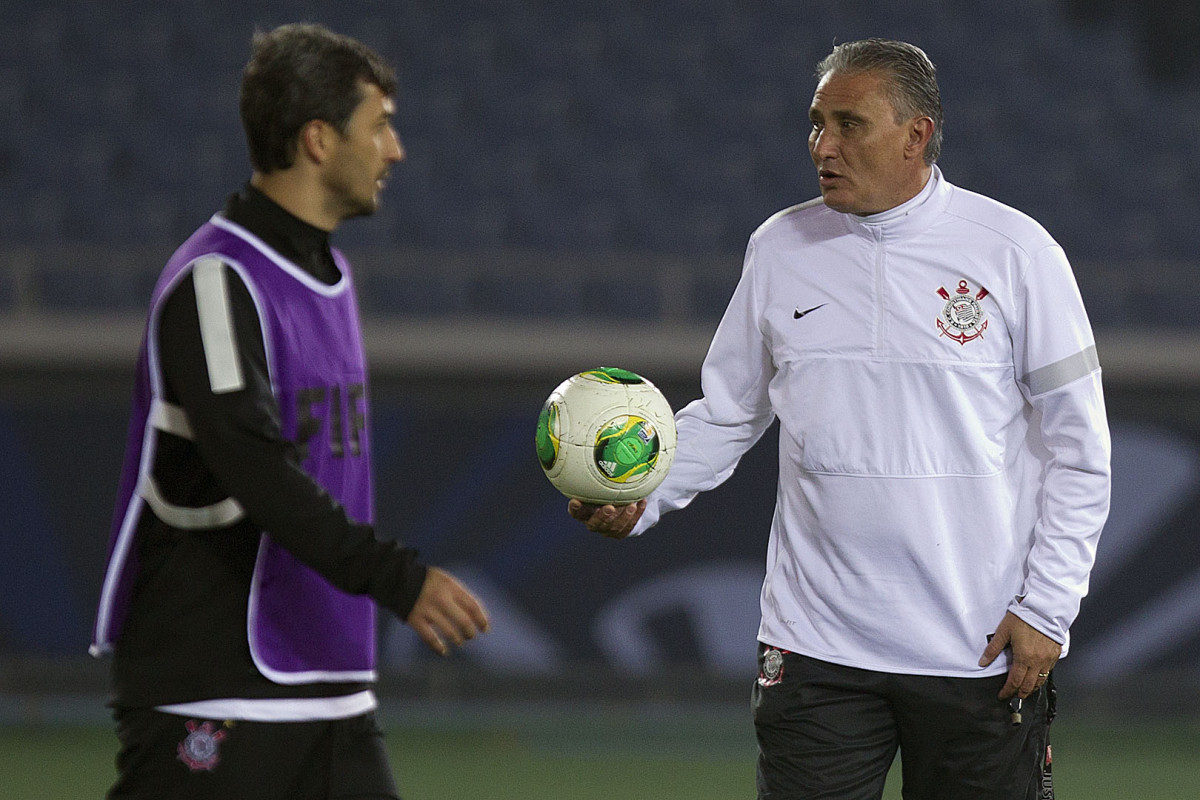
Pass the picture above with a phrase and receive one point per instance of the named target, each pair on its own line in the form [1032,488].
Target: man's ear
[314,141]
[920,131]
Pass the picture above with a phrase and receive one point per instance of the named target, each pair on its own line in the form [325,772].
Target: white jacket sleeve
[716,430]
[1059,372]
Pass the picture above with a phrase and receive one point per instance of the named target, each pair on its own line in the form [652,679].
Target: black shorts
[170,756]
[828,731]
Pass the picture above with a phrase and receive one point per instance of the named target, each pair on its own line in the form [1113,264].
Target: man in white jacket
[943,458]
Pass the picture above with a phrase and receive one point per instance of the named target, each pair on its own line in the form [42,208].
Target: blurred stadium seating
[639,129]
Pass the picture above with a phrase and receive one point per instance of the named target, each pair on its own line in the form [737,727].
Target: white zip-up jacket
[943,446]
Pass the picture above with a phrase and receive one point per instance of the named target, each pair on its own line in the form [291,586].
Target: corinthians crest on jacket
[962,316]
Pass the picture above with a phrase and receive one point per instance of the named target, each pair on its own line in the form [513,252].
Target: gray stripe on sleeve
[188,518]
[216,327]
[1060,373]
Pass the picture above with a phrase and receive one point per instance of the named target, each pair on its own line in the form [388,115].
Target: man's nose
[396,152]
[823,143]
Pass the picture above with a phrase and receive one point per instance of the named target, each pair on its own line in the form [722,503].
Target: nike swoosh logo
[798,314]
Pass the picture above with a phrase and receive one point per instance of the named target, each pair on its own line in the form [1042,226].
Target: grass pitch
[602,756]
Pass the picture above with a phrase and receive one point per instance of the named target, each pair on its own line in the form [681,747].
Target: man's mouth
[827,177]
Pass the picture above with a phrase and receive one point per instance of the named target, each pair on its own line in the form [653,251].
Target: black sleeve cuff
[410,588]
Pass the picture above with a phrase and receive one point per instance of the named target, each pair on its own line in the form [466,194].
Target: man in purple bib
[244,572]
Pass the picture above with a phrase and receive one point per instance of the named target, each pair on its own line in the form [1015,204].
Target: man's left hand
[1034,654]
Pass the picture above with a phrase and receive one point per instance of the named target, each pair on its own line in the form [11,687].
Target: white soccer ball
[606,436]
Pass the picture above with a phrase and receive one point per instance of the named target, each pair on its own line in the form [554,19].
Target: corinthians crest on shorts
[962,316]
[200,750]
[771,671]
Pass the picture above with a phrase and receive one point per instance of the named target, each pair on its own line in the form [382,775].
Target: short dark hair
[910,76]
[298,73]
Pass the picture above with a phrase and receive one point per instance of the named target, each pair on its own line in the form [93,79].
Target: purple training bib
[301,629]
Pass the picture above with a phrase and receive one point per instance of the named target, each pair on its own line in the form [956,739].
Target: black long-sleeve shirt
[185,638]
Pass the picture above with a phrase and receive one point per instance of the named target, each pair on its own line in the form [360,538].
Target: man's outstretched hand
[612,521]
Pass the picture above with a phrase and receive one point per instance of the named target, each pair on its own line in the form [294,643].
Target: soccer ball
[606,436]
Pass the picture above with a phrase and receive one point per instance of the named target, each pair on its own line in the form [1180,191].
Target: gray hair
[910,79]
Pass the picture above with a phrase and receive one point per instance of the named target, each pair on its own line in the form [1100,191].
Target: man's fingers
[463,621]
[611,520]
[995,646]
[993,649]
[595,517]
[478,615]
[461,611]
[1033,656]
[1021,683]
[439,631]
[1028,684]
[1024,680]
[602,518]
[580,510]
[623,518]
[460,618]
[429,636]
[446,613]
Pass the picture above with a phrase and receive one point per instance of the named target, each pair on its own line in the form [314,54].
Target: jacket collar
[910,216]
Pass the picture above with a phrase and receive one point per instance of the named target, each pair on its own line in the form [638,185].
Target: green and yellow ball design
[548,438]
[626,449]
[612,375]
